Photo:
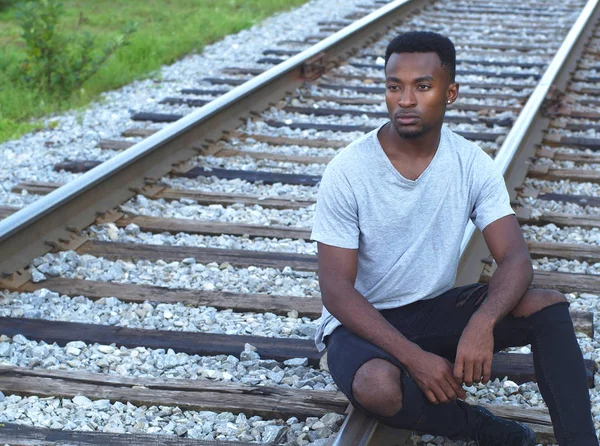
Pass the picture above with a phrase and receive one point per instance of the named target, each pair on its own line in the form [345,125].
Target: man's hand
[433,374]
[474,353]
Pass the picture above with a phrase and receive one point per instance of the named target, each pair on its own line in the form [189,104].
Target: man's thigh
[436,325]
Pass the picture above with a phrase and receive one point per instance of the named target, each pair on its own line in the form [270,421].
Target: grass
[168,30]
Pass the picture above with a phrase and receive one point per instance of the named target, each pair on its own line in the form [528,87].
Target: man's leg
[376,383]
[436,325]
[558,362]
[541,319]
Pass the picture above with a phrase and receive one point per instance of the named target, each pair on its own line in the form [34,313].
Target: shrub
[55,63]
[5,4]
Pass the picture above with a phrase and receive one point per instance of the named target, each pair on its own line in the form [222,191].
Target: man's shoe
[489,430]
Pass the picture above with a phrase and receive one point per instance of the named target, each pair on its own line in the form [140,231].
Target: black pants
[436,326]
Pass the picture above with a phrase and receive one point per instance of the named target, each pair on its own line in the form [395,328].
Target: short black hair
[425,42]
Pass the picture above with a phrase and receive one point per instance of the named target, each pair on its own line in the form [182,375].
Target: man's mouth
[407,119]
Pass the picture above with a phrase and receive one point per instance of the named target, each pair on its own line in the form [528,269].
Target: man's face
[417,91]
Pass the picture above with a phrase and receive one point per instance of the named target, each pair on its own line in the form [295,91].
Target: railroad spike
[74,230]
[52,244]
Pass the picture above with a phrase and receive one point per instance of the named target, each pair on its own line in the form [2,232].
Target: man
[391,213]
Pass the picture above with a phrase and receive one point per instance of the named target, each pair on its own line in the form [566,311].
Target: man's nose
[407,98]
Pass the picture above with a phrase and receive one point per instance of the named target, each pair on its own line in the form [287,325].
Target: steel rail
[54,218]
[512,160]
[513,157]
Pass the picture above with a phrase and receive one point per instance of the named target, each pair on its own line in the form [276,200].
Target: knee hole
[378,388]
[556,297]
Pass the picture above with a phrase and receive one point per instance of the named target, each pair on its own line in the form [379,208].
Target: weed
[58,64]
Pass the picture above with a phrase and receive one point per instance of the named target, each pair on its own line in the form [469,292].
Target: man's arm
[508,284]
[337,274]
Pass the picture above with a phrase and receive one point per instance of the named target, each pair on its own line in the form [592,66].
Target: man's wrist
[409,354]
[483,319]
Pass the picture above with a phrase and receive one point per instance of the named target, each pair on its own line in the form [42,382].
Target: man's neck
[421,147]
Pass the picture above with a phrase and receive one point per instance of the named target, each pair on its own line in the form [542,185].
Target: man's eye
[392,87]
[424,87]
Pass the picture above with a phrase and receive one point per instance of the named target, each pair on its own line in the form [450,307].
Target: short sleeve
[336,216]
[491,199]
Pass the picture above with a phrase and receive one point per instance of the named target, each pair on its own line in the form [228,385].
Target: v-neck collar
[384,158]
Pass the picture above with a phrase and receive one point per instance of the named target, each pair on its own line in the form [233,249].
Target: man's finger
[448,390]
[468,373]
[460,392]
[431,397]
[487,371]
[477,371]
[439,394]
[458,369]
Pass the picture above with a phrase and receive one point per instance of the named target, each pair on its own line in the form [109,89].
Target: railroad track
[237,205]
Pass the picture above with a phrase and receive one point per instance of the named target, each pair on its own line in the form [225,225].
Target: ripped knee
[535,300]
[377,387]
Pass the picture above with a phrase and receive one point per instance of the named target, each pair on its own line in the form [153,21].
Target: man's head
[419,70]
[425,42]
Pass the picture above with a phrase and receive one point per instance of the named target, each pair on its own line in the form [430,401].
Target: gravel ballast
[77,133]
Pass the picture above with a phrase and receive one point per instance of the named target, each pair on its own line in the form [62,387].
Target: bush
[55,63]
[5,4]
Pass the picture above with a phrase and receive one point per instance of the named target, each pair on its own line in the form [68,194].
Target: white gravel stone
[212,276]
[237,186]
[567,234]
[564,187]
[128,418]
[43,304]
[236,213]
[145,362]
[250,164]
[125,235]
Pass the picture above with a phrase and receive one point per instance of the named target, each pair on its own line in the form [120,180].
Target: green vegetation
[166,30]
[55,64]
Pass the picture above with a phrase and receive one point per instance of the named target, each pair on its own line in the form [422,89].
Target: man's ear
[452,92]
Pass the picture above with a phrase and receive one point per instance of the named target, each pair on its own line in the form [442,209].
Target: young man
[391,213]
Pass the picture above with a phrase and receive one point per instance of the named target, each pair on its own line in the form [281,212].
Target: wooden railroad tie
[525,216]
[189,171]
[572,141]
[579,175]
[202,198]
[582,200]
[18,434]
[235,257]
[264,401]
[563,282]
[221,300]
[517,367]
[273,140]
[570,251]
[301,262]
[5,211]
[209,227]
[579,157]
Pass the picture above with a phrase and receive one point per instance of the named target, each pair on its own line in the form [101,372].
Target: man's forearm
[359,316]
[507,286]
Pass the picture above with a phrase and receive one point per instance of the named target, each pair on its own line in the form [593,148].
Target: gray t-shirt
[408,233]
